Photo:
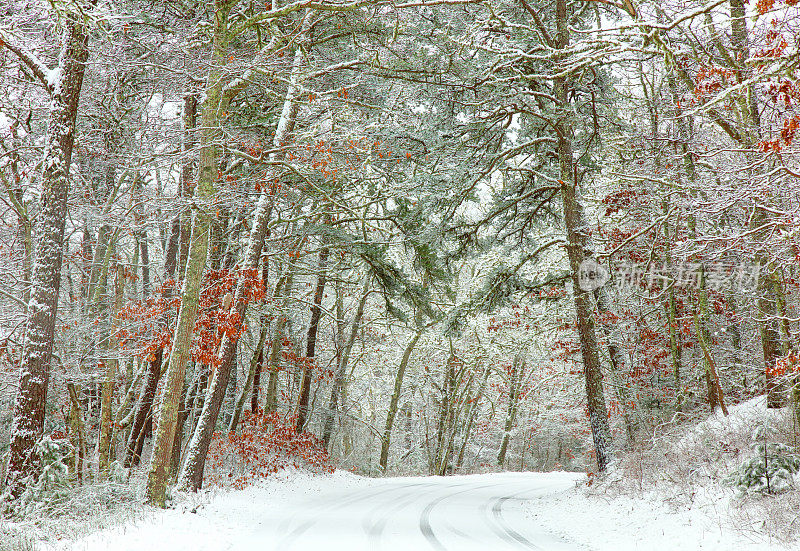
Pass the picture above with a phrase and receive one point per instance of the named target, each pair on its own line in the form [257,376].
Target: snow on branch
[30,59]
[347,6]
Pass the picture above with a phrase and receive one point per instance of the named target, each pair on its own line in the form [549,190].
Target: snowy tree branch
[39,69]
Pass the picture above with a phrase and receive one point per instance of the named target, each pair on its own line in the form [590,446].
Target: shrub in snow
[770,470]
[117,473]
[53,485]
[14,538]
[264,443]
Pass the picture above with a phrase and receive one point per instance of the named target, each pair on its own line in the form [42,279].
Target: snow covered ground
[624,523]
[217,519]
[342,511]
[672,495]
[295,510]
[667,496]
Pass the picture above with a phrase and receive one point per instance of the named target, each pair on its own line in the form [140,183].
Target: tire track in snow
[425,517]
[325,506]
[509,534]
[374,529]
[288,539]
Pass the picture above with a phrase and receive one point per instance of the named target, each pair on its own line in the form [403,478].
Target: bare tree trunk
[271,398]
[175,460]
[145,260]
[576,250]
[183,221]
[229,396]
[398,385]
[126,410]
[715,396]
[617,365]
[191,476]
[192,472]
[181,343]
[675,348]
[217,97]
[143,410]
[105,450]
[100,259]
[255,366]
[78,436]
[341,371]
[265,324]
[219,227]
[29,406]
[446,416]
[771,345]
[511,413]
[311,340]
[257,381]
[471,414]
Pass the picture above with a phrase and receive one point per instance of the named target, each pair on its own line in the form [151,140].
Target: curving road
[460,513]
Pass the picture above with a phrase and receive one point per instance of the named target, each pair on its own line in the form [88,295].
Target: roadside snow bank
[672,495]
[624,523]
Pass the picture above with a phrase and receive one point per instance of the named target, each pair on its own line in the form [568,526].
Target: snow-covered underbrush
[263,445]
[66,511]
[739,469]
[56,508]
[212,519]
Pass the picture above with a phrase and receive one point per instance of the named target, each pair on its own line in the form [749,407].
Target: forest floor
[297,510]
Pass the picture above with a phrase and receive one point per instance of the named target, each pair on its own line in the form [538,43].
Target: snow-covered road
[295,510]
[454,513]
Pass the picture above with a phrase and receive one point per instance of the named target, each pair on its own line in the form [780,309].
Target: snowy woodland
[399,238]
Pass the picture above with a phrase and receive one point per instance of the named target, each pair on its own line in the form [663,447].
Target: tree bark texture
[29,405]
[577,248]
[195,265]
